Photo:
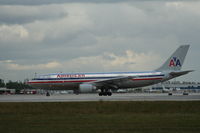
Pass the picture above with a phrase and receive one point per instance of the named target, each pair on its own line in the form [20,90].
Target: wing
[112,82]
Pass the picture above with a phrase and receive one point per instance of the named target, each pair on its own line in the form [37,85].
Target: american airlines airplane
[89,82]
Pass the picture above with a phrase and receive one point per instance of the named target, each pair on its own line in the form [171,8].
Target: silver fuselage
[69,81]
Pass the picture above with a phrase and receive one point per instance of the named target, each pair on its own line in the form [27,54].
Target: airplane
[107,81]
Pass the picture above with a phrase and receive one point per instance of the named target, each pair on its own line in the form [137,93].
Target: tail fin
[175,62]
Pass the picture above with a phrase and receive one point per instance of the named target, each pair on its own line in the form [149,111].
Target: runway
[95,97]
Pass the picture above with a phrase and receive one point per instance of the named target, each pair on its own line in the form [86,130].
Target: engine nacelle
[86,88]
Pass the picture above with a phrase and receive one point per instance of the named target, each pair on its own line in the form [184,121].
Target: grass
[100,117]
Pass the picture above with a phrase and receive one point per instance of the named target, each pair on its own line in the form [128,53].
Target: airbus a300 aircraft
[89,82]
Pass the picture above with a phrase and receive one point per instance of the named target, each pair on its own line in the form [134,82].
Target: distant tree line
[2,84]
[18,85]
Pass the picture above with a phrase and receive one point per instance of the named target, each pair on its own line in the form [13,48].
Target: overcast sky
[49,36]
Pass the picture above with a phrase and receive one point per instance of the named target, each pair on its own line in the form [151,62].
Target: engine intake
[86,88]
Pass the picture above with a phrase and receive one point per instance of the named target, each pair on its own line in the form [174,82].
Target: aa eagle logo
[174,62]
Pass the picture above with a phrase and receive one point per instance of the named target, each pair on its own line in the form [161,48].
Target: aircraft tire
[100,93]
[109,93]
[105,93]
[47,94]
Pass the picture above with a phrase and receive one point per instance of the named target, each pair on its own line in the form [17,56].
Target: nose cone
[26,81]
[29,82]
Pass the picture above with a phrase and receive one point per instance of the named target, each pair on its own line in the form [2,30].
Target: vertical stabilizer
[176,61]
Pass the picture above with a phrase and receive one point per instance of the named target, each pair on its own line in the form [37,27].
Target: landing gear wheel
[47,94]
[100,93]
[109,93]
[105,92]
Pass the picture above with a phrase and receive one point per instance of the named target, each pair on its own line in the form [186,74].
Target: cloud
[45,2]
[112,62]
[13,33]
[108,61]
[6,61]
[95,36]
[11,65]
[29,14]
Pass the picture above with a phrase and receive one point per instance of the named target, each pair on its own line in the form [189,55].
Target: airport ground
[95,97]
[100,117]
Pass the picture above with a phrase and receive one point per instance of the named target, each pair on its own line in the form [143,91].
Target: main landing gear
[105,92]
[47,94]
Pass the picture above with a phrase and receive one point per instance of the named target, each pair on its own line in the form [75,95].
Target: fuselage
[69,81]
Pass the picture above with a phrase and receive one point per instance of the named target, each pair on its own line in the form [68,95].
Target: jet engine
[86,88]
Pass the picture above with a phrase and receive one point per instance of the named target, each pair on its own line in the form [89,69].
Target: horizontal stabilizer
[176,74]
